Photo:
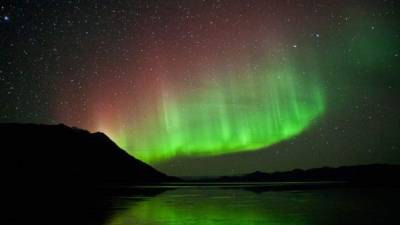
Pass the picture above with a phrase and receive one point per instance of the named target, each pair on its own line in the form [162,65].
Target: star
[6,18]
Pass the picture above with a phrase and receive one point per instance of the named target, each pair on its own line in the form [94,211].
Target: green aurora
[243,111]
[251,84]
[256,107]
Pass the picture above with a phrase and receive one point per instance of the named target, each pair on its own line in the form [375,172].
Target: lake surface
[252,204]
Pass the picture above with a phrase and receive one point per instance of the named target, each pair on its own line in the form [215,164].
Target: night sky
[211,87]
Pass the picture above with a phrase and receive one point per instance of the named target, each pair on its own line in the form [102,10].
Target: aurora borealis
[211,93]
[240,112]
[211,87]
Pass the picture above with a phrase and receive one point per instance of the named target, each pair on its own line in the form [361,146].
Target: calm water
[240,205]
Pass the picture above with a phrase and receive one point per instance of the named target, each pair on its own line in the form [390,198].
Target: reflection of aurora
[213,206]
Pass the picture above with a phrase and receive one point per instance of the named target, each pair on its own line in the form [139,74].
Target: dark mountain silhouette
[58,154]
[361,174]
[64,175]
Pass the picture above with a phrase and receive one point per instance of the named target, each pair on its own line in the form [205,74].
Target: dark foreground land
[233,204]
[54,174]
[65,155]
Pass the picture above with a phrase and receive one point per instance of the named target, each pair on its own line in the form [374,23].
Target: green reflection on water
[214,206]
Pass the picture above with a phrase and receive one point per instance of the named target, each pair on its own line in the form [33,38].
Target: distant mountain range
[366,174]
[57,154]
